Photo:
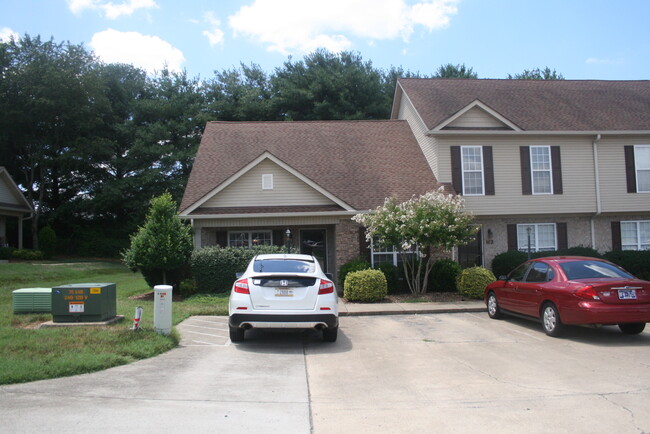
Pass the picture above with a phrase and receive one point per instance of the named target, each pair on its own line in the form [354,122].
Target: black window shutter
[630,169]
[562,238]
[616,236]
[277,237]
[222,238]
[488,170]
[512,237]
[556,163]
[526,185]
[364,246]
[456,170]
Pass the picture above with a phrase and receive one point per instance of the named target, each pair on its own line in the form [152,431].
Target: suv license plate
[282,292]
[627,294]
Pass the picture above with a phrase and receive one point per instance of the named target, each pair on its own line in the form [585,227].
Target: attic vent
[267,182]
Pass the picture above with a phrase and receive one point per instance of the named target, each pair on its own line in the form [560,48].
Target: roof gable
[11,198]
[536,105]
[476,116]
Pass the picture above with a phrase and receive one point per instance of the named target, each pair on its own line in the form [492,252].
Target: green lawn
[28,353]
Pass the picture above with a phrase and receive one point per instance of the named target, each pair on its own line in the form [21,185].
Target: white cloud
[215,34]
[110,10]
[147,52]
[290,26]
[6,34]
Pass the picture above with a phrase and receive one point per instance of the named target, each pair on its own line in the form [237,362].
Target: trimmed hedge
[5,253]
[27,254]
[350,266]
[365,286]
[391,274]
[214,268]
[636,262]
[471,282]
[505,262]
[443,274]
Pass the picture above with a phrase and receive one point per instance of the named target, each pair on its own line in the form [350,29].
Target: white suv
[283,291]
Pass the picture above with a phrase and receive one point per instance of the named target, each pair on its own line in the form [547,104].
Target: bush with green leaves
[443,275]
[27,254]
[505,262]
[47,241]
[357,264]
[161,248]
[472,281]
[636,262]
[392,276]
[5,253]
[365,286]
[214,268]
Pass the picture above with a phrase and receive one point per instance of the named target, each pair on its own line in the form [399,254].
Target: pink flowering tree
[417,228]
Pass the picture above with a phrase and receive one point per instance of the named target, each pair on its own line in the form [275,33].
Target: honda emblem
[284,283]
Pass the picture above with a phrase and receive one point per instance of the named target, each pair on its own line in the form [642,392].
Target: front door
[471,255]
[313,242]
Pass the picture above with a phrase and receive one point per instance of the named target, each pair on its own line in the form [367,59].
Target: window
[642,166]
[541,170]
[542,237]
[472,166]
[635,235]
[380,255]
[249,238]
[539,272]
[267,181]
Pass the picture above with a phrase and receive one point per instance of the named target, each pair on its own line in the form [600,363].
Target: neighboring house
[253,181]
[569,160]
[13,205]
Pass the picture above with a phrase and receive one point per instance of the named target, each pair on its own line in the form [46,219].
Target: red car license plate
[627,294]
[282,292]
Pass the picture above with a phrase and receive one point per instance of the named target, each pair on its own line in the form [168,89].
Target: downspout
[597,179]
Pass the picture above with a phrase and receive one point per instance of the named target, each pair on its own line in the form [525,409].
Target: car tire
[632,328]
[551,320]
[236,334]
[330,334]
[494,311]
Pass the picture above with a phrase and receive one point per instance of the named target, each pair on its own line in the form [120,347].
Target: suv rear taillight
[587,292]
[241,286]
[325,287]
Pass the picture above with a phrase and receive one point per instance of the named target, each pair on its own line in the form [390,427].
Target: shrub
[187,288]
[571,251]
[47,241]
[636,262]
[27,254]
[505,262]
[471,282]
[390,273]
[365,286]
[214,268]
[353,265]
[5,253]
[442,277]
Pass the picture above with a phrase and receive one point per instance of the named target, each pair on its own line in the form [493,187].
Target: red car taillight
[588,292]
[241,286]
[325,287]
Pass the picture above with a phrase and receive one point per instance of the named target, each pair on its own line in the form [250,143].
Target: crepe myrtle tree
[423,225]
[161,248]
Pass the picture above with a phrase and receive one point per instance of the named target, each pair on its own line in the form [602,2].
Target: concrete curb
[365,309]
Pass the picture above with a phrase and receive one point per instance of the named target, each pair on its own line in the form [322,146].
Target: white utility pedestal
[162,309]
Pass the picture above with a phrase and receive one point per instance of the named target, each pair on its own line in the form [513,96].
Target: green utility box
[84,302]
[27,300]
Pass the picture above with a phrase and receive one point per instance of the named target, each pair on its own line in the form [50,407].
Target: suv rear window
[283,266]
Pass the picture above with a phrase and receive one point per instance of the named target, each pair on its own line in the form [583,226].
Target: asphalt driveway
[457,372]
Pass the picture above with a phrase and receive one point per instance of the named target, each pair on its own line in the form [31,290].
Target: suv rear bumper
[283,321]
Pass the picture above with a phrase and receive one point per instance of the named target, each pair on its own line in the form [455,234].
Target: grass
[29,354]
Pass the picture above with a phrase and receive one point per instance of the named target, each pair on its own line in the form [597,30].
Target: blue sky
[582,39]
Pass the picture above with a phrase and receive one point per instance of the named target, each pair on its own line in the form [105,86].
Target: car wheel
[632,328]
[494,311]
[330,334]
[551,320]
[236,334]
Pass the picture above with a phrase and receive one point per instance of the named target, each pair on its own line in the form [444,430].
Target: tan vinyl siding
[6,195]
[613,187]
[577,176]
[287,190]
[476,118]
[427,143]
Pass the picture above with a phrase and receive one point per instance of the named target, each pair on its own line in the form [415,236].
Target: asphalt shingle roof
[359,162]
[538,105]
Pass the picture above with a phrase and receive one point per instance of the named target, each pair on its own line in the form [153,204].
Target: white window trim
[393,253]
[534,247]
[249,233]
[532,170]
[637,169]
[267,181]
[462,169]
[637,223]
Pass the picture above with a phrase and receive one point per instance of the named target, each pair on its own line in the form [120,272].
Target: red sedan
[564,290]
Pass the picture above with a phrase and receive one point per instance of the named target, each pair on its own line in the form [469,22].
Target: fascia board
[536,133]
[266,215]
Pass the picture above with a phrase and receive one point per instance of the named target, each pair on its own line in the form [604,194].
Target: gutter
[594,145]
